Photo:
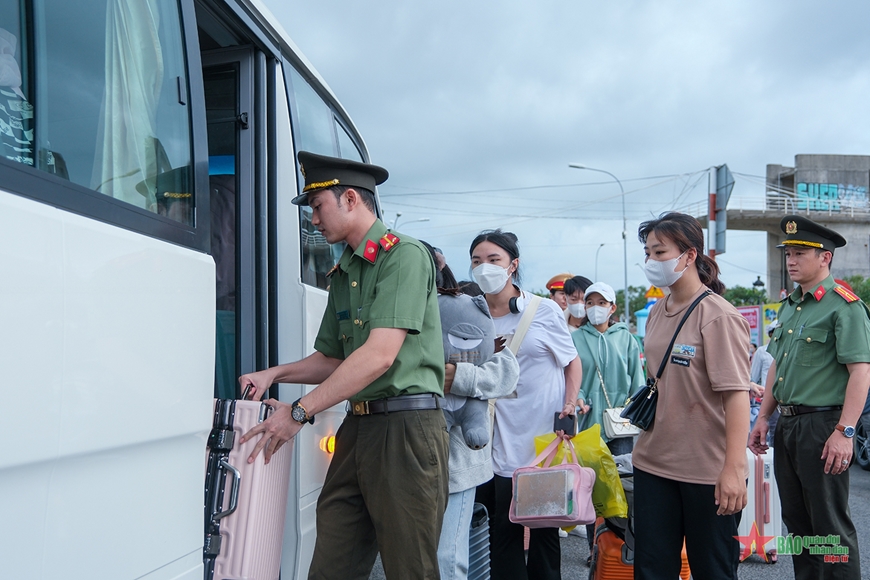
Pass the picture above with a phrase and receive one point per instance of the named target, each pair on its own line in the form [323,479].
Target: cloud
[488,97]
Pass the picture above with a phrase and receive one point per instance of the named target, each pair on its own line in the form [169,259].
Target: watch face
[298,414]
[849,431]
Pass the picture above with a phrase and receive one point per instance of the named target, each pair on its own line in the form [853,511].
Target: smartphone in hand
[568,424]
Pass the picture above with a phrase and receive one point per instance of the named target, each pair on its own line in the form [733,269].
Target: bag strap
[548,454]
[568,445]
[683,321]
[603,389]
[525,323]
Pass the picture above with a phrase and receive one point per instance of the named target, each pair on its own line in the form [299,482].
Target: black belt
[423,402]
[792,410]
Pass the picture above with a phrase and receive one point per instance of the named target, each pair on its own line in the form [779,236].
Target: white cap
[606,290]
[772,326]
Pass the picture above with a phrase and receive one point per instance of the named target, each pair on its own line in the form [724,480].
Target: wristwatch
[846,430]
[300,415]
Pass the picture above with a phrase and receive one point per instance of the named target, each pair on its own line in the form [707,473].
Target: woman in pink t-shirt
[690,465]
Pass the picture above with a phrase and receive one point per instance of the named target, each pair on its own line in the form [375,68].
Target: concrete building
[829,189]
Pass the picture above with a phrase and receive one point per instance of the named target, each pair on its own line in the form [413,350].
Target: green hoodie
[617,355]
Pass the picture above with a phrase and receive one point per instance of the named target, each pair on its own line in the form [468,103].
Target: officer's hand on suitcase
[277,430]
[758,436]
[256,383]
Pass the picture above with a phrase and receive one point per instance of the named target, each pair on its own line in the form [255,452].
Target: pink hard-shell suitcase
[245,503]
[763,510]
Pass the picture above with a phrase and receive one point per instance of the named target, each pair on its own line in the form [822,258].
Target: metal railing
[782,203]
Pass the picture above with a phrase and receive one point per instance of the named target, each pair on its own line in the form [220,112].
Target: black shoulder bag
[640,409]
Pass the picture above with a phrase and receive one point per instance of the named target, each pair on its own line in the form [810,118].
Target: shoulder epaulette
[846,294]
[388,241]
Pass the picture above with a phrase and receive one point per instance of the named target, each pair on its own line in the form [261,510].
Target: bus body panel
[109,353]
[105,424]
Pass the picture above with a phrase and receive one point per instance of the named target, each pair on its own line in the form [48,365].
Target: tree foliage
[636,301]
[860,286]
[742,296]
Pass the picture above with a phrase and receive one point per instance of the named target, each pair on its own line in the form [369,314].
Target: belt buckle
[787,410]
[361,408]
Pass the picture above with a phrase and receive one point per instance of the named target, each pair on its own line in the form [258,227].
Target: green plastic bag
[608,496]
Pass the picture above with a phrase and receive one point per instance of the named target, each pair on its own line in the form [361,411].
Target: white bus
[149,254]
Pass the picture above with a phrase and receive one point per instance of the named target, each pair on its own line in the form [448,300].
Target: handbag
[640,409]
[553,496]
[614,424]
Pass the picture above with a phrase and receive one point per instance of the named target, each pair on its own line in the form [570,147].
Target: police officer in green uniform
[380,348]
[819,380]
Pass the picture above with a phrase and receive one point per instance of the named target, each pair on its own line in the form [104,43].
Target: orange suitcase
[612,560]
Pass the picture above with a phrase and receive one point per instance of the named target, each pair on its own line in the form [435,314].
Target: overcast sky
[477,108]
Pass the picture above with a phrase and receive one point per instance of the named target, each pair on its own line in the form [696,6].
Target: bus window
[98,96]
[313,130]
[346,147]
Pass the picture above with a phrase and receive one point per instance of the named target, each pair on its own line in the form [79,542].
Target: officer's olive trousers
[385,491]
[814,504]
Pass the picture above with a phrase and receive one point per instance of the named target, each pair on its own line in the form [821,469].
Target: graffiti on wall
[831,196]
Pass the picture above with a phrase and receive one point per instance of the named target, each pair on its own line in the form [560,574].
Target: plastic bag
[608,496]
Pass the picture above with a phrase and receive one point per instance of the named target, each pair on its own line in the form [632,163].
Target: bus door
[235,197]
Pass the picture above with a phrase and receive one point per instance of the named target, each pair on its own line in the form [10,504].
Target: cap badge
[302,169]
[791,228]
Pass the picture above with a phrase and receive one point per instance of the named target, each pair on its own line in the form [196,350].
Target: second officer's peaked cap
[801,231]
[322,172]
[557,282]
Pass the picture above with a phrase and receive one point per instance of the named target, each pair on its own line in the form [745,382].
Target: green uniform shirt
[394,290]
[819,333]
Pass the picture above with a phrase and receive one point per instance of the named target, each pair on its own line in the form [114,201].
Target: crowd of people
[401,485]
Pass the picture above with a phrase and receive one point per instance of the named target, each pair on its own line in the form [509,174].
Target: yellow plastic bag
[608,496]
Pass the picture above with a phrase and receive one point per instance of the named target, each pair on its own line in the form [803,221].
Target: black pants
[814,504]
[667,511]
[506,539]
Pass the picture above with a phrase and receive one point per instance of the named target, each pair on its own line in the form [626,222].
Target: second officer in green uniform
[819,379]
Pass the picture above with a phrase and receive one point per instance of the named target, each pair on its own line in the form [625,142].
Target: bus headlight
[327,444]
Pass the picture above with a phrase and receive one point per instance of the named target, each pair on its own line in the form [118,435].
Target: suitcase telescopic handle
[234,492]
[264,408]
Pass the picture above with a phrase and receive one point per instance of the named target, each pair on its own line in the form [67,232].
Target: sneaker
[563,533]
[579,531]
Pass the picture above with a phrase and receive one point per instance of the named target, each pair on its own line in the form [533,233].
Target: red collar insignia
[819,293]
[388,241]
[371,251]
[846,294]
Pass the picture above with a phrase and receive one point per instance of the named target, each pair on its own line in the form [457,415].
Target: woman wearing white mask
[575,289]
[611,367]
[690,466]
[549,381]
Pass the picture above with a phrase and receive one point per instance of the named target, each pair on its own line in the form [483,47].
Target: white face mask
[597,314]
[490,278]
[661,274]
[577,310]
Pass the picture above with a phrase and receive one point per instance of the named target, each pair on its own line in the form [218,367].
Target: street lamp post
[596,262]
[398,215]
[624,236]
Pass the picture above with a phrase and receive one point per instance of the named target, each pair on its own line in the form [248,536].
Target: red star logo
[753,543]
